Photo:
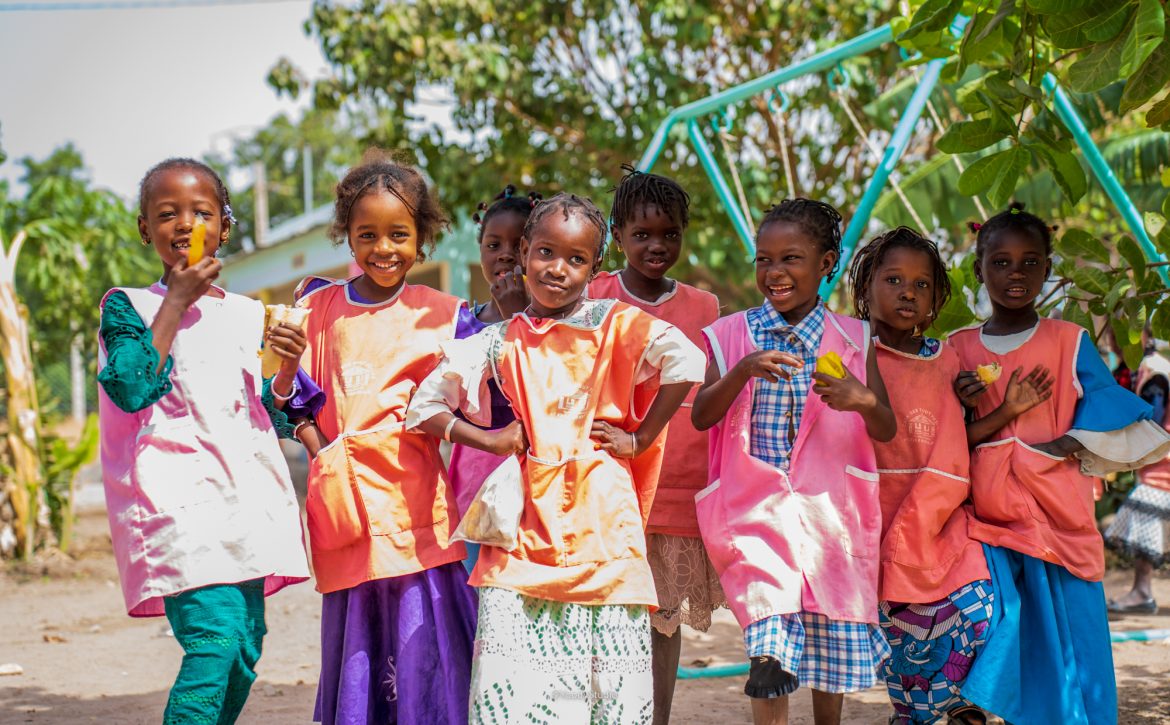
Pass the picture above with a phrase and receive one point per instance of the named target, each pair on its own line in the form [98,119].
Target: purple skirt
[398,650]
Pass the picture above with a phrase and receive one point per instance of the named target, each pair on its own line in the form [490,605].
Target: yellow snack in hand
[198,234]
[989,373]
[830,364]
[273,316]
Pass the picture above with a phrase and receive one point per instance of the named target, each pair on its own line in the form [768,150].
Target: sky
[132,87]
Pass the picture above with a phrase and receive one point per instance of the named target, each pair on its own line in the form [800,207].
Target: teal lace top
[129,377]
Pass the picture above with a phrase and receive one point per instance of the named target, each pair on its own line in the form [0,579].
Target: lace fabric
[687,585]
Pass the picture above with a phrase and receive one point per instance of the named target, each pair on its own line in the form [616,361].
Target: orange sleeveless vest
[582,531]
[684,464]
[926,552]
[1024,499]
[378,496]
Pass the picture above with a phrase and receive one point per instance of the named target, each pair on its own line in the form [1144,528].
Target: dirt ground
[85,661]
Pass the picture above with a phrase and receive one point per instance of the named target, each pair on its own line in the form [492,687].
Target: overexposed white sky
[132,87]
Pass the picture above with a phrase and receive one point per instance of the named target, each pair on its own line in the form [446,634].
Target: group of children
[900,518]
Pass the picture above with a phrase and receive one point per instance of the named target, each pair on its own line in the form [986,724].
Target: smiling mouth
[780,290]
[386,266]
[554,287]
[1016,291]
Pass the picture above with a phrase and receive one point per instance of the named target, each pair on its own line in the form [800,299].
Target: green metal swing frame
[693,114]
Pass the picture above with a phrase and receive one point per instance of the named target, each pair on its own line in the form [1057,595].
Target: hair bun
[1016,207]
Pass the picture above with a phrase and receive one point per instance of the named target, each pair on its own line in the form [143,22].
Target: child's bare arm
[184,286]
[625,444]
[1021,396]
[719,392]
[502,442]
[869,401]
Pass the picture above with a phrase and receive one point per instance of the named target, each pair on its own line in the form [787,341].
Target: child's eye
[762,260]
[791,257]
[1000,262]
[893,280]
[640,235]
[923,284]
[366,235]
[577,259]
[674,235]
[1031,262]
[493,245]
[205,214]
[544,252]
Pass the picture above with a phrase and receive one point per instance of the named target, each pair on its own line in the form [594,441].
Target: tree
[62,245]
[1116,56]
[556,96]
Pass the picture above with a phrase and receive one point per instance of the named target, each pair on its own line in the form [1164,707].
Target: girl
[501,224]
[1141,528]
[791,519]
[1033,502]
[564,631]
[650,214]
[935,591]
[397,616]
[202,512]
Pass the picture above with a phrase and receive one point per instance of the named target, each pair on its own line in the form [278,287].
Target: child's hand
[969,387]
[769,365]
[846,393]
[509,440]
[289,343]
[1062,447]
[509,293]
[186,284]
[619,443]
[1024,394]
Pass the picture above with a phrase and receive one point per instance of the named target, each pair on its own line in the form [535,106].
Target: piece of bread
[273,316]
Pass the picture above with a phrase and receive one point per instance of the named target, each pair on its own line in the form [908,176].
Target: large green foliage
[81,241]
[556,96]
[1115,58]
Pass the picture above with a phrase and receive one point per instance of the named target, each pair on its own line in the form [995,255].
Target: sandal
[1147,607]
[967,715]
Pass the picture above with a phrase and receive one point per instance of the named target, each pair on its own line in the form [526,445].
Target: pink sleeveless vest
[684,465]
[927,552]
[807,539]
[1024,499]
[1155,474]
[197,489]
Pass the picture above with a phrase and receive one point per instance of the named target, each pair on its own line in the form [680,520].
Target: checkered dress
[825,654]
[777,407]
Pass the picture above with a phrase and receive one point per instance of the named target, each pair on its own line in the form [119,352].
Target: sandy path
[86,662]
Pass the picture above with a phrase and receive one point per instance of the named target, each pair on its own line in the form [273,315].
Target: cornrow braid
[221,192]
[505,201]
[638,189]
[568,205]
[381,172]
[817,219]
[1014,218]
[870,257]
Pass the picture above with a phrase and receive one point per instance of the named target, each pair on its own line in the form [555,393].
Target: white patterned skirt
[1142,525]
[542,661]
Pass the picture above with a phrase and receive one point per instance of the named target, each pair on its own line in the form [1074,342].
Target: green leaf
[957,312]
[1066,169]
[1160,322]
[1159,113]
[1148,30]
[1067,30]
[1151,77]
[1119,288]
[933,15]
[1006,8]
[1009,174]
[979,176]
[1132,254]
[1097,68]
[1154,223]
[1092,280]
[1074,313]
[1052,7]
[979,42]
[967,136]
[1109,23]
[1077,244]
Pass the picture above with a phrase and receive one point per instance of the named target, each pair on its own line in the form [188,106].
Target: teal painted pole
[1142,635]
[721,189]
[1068,114]
[890,157]
[813,64]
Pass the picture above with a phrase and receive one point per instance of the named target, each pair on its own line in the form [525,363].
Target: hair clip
[227,212]
[509,191]
[1015,210]
[974,226]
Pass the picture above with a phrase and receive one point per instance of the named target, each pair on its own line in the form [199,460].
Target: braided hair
[820,221]
[569,205]
[1015,219]
[505,201]
[870,257]
[221,192]
[378,172]
[638,189]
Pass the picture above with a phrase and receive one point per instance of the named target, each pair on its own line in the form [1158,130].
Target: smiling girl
[564,629]
[397,616]
[1036,450]
[203,516]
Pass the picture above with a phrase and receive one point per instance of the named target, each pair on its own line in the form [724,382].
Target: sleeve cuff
[1138,444]
[280,419]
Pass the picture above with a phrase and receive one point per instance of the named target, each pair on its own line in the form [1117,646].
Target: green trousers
[221,629]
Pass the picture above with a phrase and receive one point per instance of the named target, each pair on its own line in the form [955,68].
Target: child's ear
[617,236]
[143,232]
[978,268]
[524,245]
[828,262]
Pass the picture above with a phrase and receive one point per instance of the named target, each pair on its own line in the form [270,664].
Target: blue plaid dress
[824,654]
